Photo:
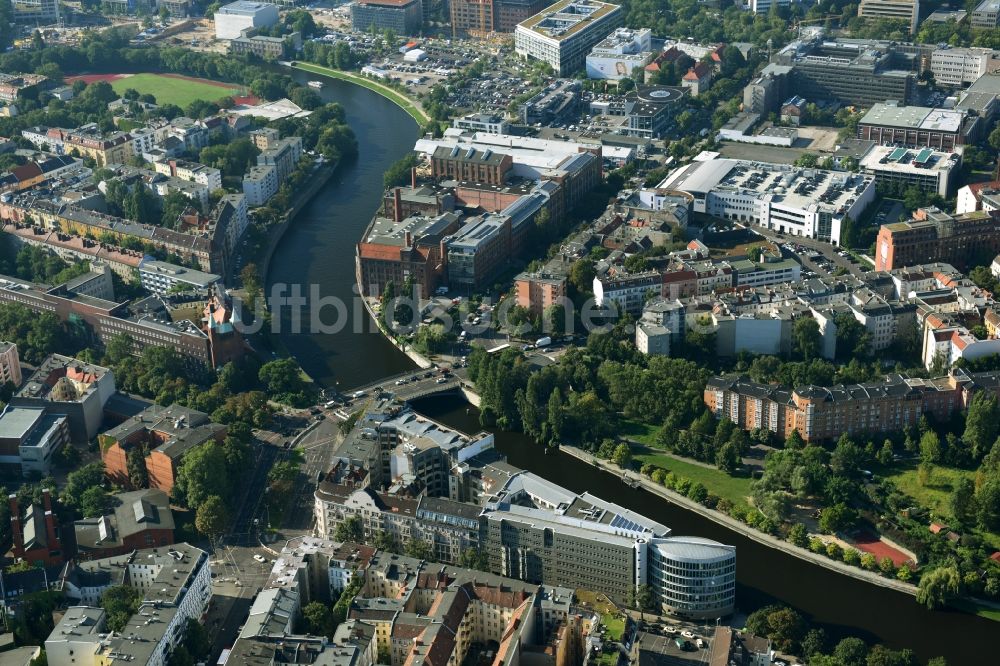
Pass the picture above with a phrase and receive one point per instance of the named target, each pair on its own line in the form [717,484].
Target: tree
[622,456]
[351,529]
[318,619]
[982,424]
[95,502]
[798,535]
[642,599]
[202,474]
[930,447]
[961,502]
[212,517]
[419,549]
[851,651]
[78,482]
[728,458]
[938,587]
[836,518]
[473,558]
[135,465]
[120,602]
[807,337]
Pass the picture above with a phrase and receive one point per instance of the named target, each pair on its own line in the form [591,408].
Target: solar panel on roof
[896,154]
[923,155]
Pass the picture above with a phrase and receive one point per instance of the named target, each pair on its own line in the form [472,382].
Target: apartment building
[562,34]
[208,176]
[35,12]
[539,291]
[260,183]
[894,10]
[35,532]
[822,413]
[265,46]
[404,17]
[10,364]
[764,6]
[85,141]
[626,292]
[164,435]
[176,586]
[933,235]
[282,154]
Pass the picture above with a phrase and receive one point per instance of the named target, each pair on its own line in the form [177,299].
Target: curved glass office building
[693,577]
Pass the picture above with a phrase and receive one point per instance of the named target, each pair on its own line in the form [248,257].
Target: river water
[319,249]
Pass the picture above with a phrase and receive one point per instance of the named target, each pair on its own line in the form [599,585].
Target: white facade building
[260,184]
[962,66]
[242,14]
[652,339]
[693,577]
[620,54]
[564,33]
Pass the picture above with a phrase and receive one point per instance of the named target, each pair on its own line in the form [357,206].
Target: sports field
[168,88]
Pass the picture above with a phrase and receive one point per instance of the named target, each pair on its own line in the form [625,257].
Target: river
[319,249]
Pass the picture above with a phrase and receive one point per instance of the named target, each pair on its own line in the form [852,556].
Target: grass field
[934,495]
[172,90]
[397,98]
[735,489]
[644,433]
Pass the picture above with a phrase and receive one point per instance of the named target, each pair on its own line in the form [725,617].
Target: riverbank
[418,358]
[411,106]
[737,526]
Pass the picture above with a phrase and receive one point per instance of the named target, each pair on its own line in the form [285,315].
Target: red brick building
[35,533]
[162,435]
[140,519]
[935,236]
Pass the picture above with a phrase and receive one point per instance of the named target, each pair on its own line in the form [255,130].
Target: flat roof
[567,17]
[908,160]
[914,117]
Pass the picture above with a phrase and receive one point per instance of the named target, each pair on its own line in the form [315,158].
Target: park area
[167,88]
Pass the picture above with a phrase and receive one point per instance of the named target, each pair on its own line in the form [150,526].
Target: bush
[816,545]
[852,557]
[834,551]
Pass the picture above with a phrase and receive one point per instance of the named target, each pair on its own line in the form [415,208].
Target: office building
[852,72]
[77,390]
[823,413]
[958,67]
[786,199]
[564,33]
[764,6]
[933,235]
[917,127]
[482,18]
[232,19]
[651,109]
[692,577]
[10,364]
[408,247]
[893,10]
[404,17]
[35,532]
[482,122]
[163,436]
[620,54]
[138,519]
[768,90]
[35,12]
[161,278]
[267,47]
[557,101]
[928,170]
[986,15]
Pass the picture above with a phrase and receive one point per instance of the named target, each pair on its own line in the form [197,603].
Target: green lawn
[169,90]
[397,98]
[644,433]
[615,626]
[734,488]
[934,495]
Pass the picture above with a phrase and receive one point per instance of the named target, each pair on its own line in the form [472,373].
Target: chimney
[50,531]
[413,177]
[47,500]
[15,525]
[397,204]
[407,239]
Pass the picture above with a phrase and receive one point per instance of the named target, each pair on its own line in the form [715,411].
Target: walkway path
[737,526]
[408,104]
